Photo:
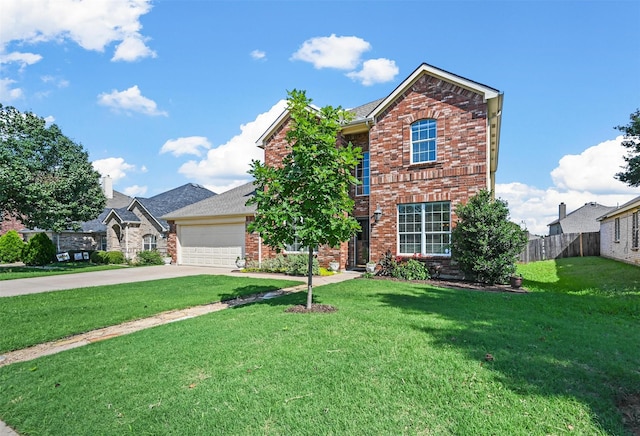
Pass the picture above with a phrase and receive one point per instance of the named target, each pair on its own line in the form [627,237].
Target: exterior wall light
[377,214]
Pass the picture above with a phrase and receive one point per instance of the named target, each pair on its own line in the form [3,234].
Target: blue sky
[166,92]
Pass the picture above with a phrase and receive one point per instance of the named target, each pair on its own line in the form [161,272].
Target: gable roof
[232,202]
[161,204]
[583,219]
[629,205]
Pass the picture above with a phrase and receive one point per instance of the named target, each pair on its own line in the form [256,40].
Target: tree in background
[46,180]
[306,200]
[484,242]
[631,173]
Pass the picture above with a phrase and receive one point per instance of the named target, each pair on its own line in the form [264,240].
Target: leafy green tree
[40,250]
[11,246]
[631,173]
[46,180]
[484,242]
[306,199]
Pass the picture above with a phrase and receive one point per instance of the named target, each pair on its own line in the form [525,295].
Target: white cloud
[49,120]
[226,166]
[7,92]
[340,52]
[133,48]
[23,59]
[258,55]
[59,83]
[91,24]
[188,145]
[375,71]
[130,100]
[135,191]
[114,167]
[578,179]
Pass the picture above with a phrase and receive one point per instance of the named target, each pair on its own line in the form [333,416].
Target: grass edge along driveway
[396,358]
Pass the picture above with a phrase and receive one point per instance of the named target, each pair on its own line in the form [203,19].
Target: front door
[362,242]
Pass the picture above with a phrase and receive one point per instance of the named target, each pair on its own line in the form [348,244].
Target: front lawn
[12,272]
[35,318]
[396,358]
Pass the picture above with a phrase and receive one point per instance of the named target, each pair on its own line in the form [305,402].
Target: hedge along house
[428,146]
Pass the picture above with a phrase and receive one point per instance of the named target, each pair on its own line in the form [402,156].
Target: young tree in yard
[484,242]
[306,199]
[631,173]
[46,179]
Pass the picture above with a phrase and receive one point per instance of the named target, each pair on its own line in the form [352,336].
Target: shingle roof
[583,219]
[232,202]
[118,201]
[362,111]
[175,199]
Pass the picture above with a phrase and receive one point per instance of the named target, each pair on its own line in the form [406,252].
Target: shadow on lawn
[547,344]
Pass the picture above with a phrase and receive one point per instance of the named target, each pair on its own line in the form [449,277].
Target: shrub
[40,250]
[298,265]
[484,242]
[11,246]
[115,257]
[387,264]
[149,257]
[99,257]
[411,270]
[276,264]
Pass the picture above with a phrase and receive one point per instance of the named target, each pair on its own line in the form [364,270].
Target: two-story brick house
[428,146]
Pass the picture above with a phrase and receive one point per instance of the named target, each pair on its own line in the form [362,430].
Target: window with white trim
[423,141]
[149,242]
[362,174]
[634,231]
[616,230]
[424,228]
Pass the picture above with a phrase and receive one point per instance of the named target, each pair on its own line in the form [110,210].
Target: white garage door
[211,245]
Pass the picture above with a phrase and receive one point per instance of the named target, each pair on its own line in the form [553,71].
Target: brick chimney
[107,187]
[562,211]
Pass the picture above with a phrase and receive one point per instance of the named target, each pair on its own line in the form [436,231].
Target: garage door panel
[214,245]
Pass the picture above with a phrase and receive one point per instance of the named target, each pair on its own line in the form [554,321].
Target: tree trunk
[310,280]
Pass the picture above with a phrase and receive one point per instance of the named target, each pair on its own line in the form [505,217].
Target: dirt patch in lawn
[315,308]
[629,407]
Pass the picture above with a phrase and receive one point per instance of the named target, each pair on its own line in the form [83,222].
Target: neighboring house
[428,146]
[139,226]
[620,233]
[581,220]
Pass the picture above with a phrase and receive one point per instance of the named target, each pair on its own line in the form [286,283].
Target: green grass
[32,319]
[396,358]
[11,272]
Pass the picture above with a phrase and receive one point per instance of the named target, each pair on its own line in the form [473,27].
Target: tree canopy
[484,242]
[46,179]
[306,199]
[631,173]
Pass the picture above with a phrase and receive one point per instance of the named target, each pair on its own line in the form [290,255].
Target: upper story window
[362,174]
[149,242]
[424,228]
[423,141]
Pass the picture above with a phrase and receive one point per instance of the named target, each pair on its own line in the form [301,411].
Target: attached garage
[210,245]
[211,232]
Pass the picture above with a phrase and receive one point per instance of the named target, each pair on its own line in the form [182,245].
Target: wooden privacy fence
[563,245]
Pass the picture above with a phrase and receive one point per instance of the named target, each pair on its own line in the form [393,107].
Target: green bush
[149,257]
[40,250]
[411,270]
[11,246]
[115,257]
[298,265]
[99,257]
[276,264]
[484,242]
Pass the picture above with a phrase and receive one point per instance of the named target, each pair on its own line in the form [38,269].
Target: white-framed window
[635,227]
[424,228]
[149,242]
[423,141]
[362,174]
[102,243]
[616,230]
